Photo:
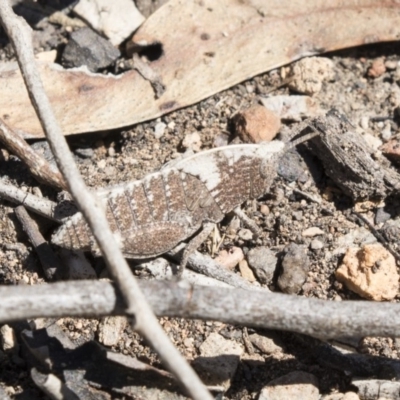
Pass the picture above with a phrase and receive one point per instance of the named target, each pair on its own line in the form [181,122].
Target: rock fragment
[110,330]
[86,47]
[192,141]
[391,150]
[292,108]
[313,231]
[116,20]
[256,124]
[296,385]
[263,262]
[295,266]
[218,361]
[377,68]
[370,272]
[309,73]
[267,344]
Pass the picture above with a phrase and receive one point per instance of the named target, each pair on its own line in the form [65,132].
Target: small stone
[364,122]
[246,272]
[391,230]
[267,344]
[229,259]
[219,360]
[8,339]
[159,130]
[391,150]
[309,73]
[295,266]
[370,271]
[296,385]
[116,19]
[192,141]
[256,124]
[292,108]
[264,209]
[386,132]
[313,231]
[78,267]
[110,330]
[48,57]
[377,68]
[291,166]
[316,244]
[85,47]
[263,262]
[245,234]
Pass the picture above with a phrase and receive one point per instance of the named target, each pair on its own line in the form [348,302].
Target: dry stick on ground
[143,319]
[314,317]
[38,166]
[39,205]
[48,259]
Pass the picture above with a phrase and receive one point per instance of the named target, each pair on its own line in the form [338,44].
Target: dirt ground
[129,154]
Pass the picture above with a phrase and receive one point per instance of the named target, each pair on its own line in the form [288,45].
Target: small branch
[39,205]
[142,317]
[47,258]
[38,166]
[52,386]
[313,317]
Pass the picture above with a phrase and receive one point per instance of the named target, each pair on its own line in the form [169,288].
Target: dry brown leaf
[207,46]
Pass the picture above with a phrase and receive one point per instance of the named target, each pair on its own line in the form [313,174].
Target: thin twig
[314,317]
[38,166]
[51,265]
[39,205]
[143,319]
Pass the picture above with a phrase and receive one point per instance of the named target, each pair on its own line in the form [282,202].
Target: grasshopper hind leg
[193,245]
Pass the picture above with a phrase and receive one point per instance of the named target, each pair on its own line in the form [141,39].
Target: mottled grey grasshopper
[151,216]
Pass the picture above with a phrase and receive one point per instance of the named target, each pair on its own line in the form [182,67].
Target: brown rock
[391,150]
[370,272]
[377,68]
[256,124]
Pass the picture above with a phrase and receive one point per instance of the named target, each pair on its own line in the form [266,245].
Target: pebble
[246,272]
[370,272]
[291,166]
[159,130]
[313,231]
[245,234]
[84,152]
[267,344]
[364,122]
[391,230]
[116,19]
[110,330]
[221,139]
[386,132]
[316,244]
[256,124]
[86,47]
[218,361]
[309,73]
[391,150]
[230,259]
[192,141]
[292,108]
[263,262]
[296,385]
[8,339]
[377,68]
[264,209]
[295,266]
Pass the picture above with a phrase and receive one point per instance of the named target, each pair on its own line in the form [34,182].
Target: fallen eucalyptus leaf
[204,47]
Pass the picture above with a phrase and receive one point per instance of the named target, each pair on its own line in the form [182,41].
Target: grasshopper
[151,216]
